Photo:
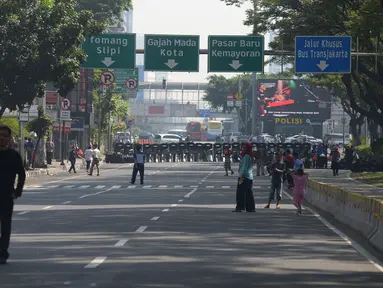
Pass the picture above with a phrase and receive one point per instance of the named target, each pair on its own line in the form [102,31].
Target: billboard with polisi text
[294,98]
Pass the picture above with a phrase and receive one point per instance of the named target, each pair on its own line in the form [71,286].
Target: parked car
[167,138]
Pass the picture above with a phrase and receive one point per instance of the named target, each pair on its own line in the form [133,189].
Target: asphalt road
[175,231]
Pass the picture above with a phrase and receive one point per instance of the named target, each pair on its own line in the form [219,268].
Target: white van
[167,138]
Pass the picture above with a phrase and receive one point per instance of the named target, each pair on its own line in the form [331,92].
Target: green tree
[105,11]
[40,126]
[40,43]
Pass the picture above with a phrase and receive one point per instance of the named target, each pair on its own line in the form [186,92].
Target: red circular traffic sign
[107,78]
[65,104]
[131,83]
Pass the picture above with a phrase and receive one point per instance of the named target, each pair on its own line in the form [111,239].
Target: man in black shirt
[139,166]
[11,165]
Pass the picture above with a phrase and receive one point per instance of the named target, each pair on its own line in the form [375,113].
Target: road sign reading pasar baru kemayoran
[236,54]
[115,51]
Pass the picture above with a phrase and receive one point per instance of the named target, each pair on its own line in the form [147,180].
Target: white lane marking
[80,176]
[116,187]
[257,187]
[155,218]
[94,194]
[141,229]
[84,186]
[163,186]
[67,283]
[148,186]
[23,213]
[210,187]
[178,186]
[100,186]
[190,193]
[67,202]
[181,200]
[200,183]
[121,243]
[194,186]
[132,186]
[68,186]
[174,205]
[165,210]
[52,186]
[47,207]
[370,258]
[225,187]
[96,262]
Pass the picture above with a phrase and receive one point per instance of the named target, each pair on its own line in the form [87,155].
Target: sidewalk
[53,169]
[344,181]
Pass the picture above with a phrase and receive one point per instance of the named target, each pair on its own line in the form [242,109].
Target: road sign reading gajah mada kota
[114,51]
[236,54]
[172,53]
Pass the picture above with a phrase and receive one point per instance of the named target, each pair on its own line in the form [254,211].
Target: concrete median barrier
[361,213]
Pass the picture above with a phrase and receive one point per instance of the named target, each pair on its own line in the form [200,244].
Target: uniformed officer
[139,160]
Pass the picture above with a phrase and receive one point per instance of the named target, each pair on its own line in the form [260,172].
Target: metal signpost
[114,51]
[178,53]
[236,54]
[323,54]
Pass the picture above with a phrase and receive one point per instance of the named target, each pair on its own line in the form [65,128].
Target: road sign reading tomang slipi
[236,54]
[323,54]
[172,53]
[114,51]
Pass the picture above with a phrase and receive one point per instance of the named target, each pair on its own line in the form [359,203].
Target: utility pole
[100,96]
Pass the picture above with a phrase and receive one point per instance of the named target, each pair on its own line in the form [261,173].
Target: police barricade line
[197,152]
[358,212]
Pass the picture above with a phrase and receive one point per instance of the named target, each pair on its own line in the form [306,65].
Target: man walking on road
[11,165]
[95,161]
[139,160]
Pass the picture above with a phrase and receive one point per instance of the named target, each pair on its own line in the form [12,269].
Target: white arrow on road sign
[171,63]
[108,61]
[131,83]
[107,78]
[235,64]
[322,65]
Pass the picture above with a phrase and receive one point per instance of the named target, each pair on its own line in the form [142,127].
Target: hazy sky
[193,17]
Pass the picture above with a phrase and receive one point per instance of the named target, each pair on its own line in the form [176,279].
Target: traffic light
[164,83]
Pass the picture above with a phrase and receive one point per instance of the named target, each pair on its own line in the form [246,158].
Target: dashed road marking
[116,187]
[141,229]
[52,186]
[96,262]
[155,218]
[210,187]
[148,186]
[121,243]
[47,207]
[68,186]
[190,193]
[194,186]
[225,187]
[181,200]
[23,213]
[165,210]
[132,186]
[178,186]
[100,186]
[163,186]
[84,186]
[67,202]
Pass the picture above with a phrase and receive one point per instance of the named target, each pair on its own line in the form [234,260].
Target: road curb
[50,171]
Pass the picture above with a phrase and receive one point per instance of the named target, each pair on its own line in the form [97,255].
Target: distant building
[272,68]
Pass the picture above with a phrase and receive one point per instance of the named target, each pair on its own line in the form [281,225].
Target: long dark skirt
[245,197]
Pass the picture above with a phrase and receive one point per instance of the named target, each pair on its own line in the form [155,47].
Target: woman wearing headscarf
[245,197]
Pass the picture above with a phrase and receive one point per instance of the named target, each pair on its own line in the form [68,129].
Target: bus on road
[194,130]
[214,130]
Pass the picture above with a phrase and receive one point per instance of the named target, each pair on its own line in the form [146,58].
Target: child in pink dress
[299,189]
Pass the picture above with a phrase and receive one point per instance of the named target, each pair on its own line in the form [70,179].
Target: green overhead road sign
[122,76]
[236,54]
[172,53]
[110,51]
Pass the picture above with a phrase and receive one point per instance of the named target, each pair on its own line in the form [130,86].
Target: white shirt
[96,153]
[88,154]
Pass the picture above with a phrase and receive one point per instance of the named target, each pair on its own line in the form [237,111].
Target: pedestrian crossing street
[98,187]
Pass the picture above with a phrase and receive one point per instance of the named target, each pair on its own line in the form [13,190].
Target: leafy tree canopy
[362,19]
[40,43]
[105,10]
